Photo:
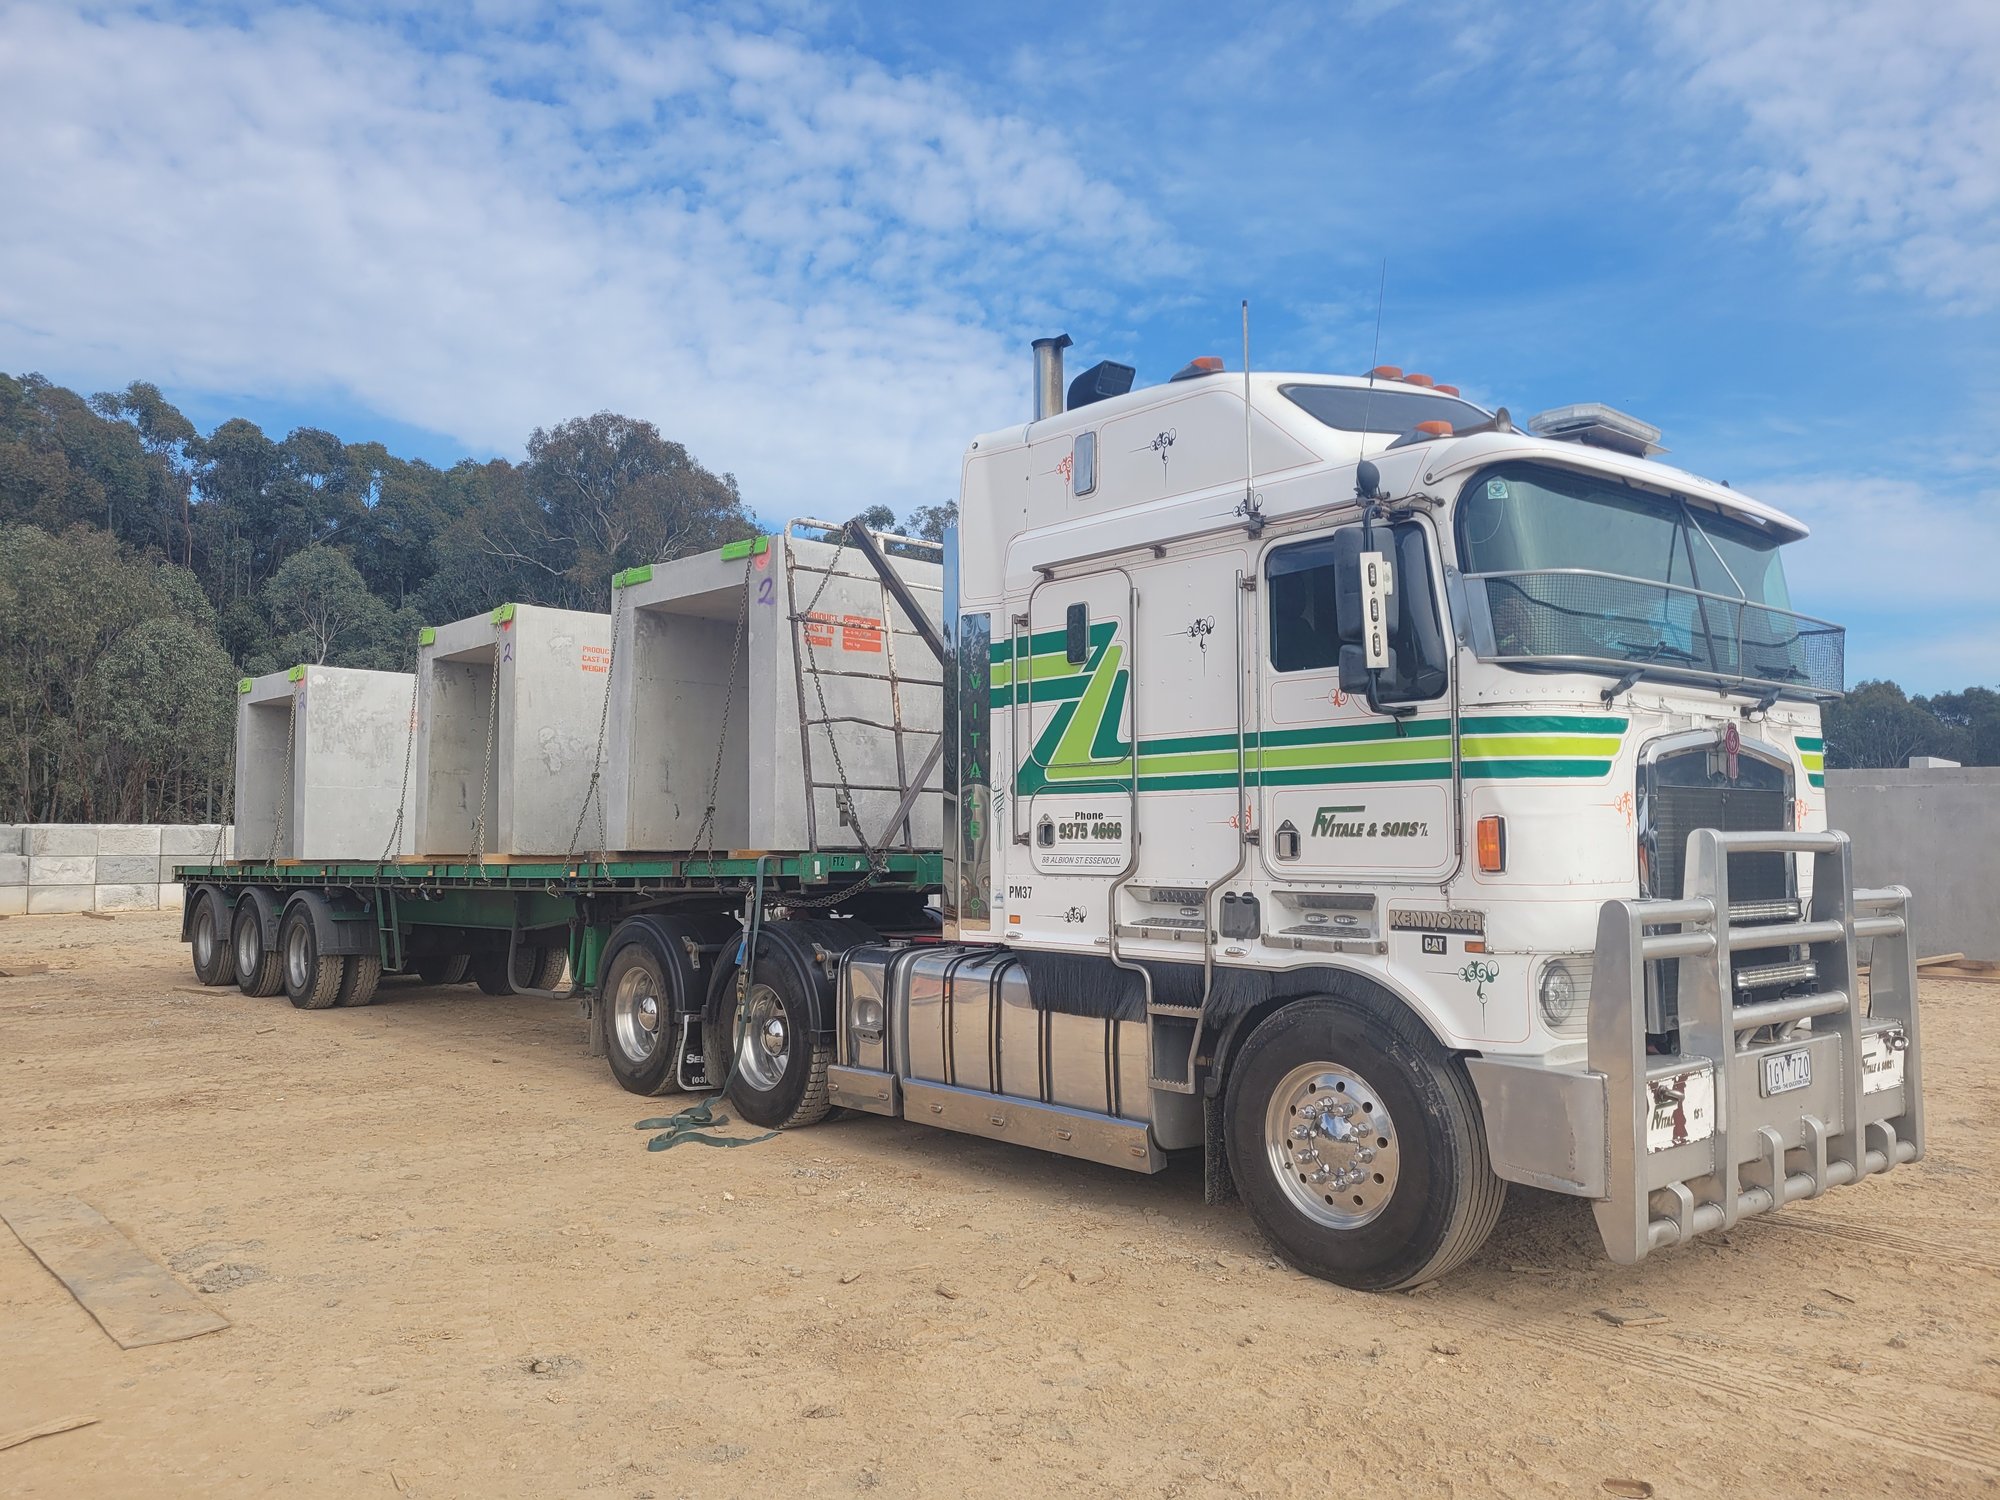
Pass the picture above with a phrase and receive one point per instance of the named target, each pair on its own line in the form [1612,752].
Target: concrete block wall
[1937,831]
[47,868]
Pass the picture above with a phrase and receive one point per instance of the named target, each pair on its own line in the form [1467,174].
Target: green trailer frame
[587,898]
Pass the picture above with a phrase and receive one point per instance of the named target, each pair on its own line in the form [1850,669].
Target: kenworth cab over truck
[1385,802]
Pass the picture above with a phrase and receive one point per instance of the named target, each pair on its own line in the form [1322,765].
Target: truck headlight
[1558,995]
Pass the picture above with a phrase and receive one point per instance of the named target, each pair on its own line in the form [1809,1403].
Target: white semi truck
[1381,801]
[1390,804]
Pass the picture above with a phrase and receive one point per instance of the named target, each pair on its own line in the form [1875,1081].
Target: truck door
[1347,792]
[1075,769]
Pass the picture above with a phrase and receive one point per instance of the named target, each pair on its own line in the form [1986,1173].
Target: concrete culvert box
[319,763]
[527,758]
[684,688]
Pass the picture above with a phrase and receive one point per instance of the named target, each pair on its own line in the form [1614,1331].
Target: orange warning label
[860,633]
[597,658]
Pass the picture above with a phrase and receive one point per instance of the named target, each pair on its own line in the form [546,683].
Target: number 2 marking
[764,595]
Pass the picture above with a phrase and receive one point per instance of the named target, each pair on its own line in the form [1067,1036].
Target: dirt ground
[451,1268]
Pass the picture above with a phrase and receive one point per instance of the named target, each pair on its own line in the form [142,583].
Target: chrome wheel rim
[204,937]
[1332,1145]
[298,958]
[635,1014]
[249,946]
[765,1045]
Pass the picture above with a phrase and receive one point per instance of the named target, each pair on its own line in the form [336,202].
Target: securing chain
[595,791]
[390,849]
[876,864]
[478,855]
[819,692]
[707,829]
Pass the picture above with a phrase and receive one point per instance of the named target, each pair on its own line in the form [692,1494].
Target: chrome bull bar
[1733,1126]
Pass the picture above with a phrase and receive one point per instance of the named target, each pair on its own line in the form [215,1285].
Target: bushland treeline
[145,565]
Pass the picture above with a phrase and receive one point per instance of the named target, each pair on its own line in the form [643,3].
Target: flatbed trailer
[655,934]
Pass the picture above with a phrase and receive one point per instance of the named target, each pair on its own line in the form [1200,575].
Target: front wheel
[1356,1144]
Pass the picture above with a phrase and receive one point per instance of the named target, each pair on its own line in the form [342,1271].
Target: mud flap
[1218,1186]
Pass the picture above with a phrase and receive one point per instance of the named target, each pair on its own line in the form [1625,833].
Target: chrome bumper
[1673,1147]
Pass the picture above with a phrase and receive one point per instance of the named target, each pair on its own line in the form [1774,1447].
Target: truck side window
[1304,627]
[1304,585]
[1083,464]
[1076,634]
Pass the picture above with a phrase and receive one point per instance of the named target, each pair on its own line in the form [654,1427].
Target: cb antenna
[1366,491]
[1249,460]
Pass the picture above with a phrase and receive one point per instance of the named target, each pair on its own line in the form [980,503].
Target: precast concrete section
[678,710]
[1937,831]
[527,760]
[320,753]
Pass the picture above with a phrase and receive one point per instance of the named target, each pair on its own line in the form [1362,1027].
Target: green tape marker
[641,574]
[503,614]
[427,636]
[748,547]
[297,674]
[244,684]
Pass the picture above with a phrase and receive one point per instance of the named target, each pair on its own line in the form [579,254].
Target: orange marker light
[1435,429]
[1445,390]
[1386,372]
[1492,844]
[1415,379]
[1206,362]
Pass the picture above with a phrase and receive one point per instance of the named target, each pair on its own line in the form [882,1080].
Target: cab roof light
[1600,426]
[1492,844]
[1415,379]
[1435,429]
[1386,372]
[1445,390]
[1194,369]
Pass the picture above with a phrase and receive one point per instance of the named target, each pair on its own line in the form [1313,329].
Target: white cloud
[1877,125]
[789,259]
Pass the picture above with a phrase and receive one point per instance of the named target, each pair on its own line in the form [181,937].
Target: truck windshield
[1589,572]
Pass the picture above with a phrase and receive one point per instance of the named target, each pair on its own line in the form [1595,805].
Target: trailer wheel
[639,1029]
[534,969]
[312,979]
[258,969]
[360,976]
[208,942]
[779,1059]
[1357,1147]
[443,968]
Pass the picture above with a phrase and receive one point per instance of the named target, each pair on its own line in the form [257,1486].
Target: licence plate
[1785,1071]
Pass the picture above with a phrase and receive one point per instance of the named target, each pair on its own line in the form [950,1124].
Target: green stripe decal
[1806,742]
[1078,746]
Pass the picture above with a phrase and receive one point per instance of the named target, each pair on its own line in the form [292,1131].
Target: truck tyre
[443,968]
[1356,1145]
[534,969]
[312,980]
[359,978]
[641,1040]
[777,1057]
[259,971]
[209,942]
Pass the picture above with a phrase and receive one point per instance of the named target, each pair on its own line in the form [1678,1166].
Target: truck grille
[1690,790]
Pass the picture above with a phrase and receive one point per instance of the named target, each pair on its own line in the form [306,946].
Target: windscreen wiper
[1646,655]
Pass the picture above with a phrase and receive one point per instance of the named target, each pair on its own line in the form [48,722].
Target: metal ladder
[814,713]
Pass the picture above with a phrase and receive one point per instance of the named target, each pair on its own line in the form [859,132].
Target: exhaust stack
[1049,375]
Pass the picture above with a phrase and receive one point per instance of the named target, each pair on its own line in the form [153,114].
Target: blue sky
[812,241]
